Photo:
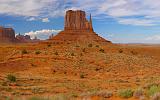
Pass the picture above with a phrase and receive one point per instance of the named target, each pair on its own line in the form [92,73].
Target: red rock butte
[7,35]
[77,28]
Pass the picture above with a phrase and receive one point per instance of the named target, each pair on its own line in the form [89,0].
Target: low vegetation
[11,78]
[90,45]
[82,75]
[134,53]
[125,93]
[37,52]
[120,51]
[101,50]
[49,45]
[97,46]
[153,90]
[24,51]
[72,54]
[56,53]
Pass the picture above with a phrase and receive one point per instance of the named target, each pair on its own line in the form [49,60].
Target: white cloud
[42,34]
[154,38]
[28,8]
[31,19]
[45,20]
[132,12]
[138,22]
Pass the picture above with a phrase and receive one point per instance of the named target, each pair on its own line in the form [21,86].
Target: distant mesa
[77,27]
[23,38]
[7,35]
[26,38]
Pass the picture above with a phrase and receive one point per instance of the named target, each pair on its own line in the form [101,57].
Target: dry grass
[59,67]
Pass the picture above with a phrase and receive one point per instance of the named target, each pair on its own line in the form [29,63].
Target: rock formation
[26,39]
[23,38]
[7,35]
[76,20]
[77,27]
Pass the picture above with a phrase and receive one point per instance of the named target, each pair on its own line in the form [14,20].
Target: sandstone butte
[77,28]
[7,35]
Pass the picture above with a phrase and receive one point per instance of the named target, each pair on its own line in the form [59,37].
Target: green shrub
[37,52]
[56,53]
[82,75]
[84,50]
[90,45]
[97,46]
[24,51]
[101,50]
[153,90]
[126,93]
[11,78]
[72,54]
[134,52]
[120,51]
[49,45]
[77,46]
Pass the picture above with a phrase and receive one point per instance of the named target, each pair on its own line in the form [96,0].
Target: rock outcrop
[26,39]
[23,38]
[77,28]
[7,35]
[76,20]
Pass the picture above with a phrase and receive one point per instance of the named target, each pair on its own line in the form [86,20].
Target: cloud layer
[42,34]
[130,12]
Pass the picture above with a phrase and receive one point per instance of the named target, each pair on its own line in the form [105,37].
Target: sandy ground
[77,68]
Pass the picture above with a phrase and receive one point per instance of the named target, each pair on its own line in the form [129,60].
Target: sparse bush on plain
[24,51]
[37,52]
[120,51]
[101,50]
[56,53]
[11,78]
[82,75]
[153,90]
[99,93]
[77,46]
[84,50]
[134,52]
[90,45]
[49,45]
[105,94]
[126,93]
[97,46]
[72,54]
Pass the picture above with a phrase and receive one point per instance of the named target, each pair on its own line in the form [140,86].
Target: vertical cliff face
[76,20]
[77,28]
[7,35]
[23,38]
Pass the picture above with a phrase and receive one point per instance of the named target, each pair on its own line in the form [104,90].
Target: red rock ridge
[77,28]
[7,35]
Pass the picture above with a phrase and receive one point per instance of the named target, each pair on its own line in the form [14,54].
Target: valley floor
[78,70]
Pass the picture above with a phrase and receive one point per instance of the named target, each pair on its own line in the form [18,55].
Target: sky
[120,21]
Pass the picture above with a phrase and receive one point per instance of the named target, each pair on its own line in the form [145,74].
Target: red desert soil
[77,68]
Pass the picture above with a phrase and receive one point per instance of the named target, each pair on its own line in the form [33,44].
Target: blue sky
[121,21]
